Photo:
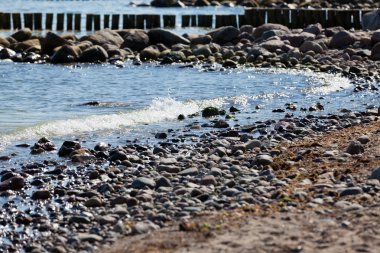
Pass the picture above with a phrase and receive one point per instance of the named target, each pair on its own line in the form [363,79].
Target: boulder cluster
[343,4]
[334,49]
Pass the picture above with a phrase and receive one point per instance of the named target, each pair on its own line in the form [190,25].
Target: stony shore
[317,4]
[95,195]
[329,203]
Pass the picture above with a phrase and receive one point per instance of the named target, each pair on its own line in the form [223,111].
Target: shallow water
[48,100]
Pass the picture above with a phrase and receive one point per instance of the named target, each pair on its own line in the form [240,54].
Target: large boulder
[371,20]
[165,37]
[375,37]
[196,39]
[297,39]
[273,45]
[94,54]
[7,53]
[272,33]
[311,46]
[27,44]
[66,54]
[4,42]
[375,53]
[83,45]
[342,39]
[258,32]
[166,3]
[51,41]
[202,50]
[149,53]
[224,34]
[104,37]
[22,35]
[314,29]
[201,3]
[135,39]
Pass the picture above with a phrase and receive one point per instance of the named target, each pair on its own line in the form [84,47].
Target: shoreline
[98,195]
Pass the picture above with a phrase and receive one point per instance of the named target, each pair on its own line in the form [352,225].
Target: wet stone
[142,182]
[351,191]
[93,202]
[79,220]
[41,194]
[68,147]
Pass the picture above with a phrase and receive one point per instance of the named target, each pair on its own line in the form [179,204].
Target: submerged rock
[15,183]
[210,112]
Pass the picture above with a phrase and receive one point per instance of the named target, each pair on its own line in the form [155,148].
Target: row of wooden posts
[292,18]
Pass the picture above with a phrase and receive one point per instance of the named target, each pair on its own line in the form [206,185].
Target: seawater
[137,101]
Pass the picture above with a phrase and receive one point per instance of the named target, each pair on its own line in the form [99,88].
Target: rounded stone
[355,148]
[143,182]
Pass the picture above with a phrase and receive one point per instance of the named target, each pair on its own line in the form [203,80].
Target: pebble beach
[303,182]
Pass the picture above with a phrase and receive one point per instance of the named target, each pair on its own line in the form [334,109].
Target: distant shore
[354,54]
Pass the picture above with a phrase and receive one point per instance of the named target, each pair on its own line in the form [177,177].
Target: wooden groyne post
[292,18]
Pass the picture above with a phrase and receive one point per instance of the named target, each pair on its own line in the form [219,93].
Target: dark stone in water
[181,117]
[161,136]
[15,183]
[41,194]
[210,112]
[278,110]
[94,54]
[5,158]
[229,64]
[101,146]
[221,124]
[234,109]
[23,145]
[68,147]
[92,103]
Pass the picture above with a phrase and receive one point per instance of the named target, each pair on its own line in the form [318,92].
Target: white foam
[161,109]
